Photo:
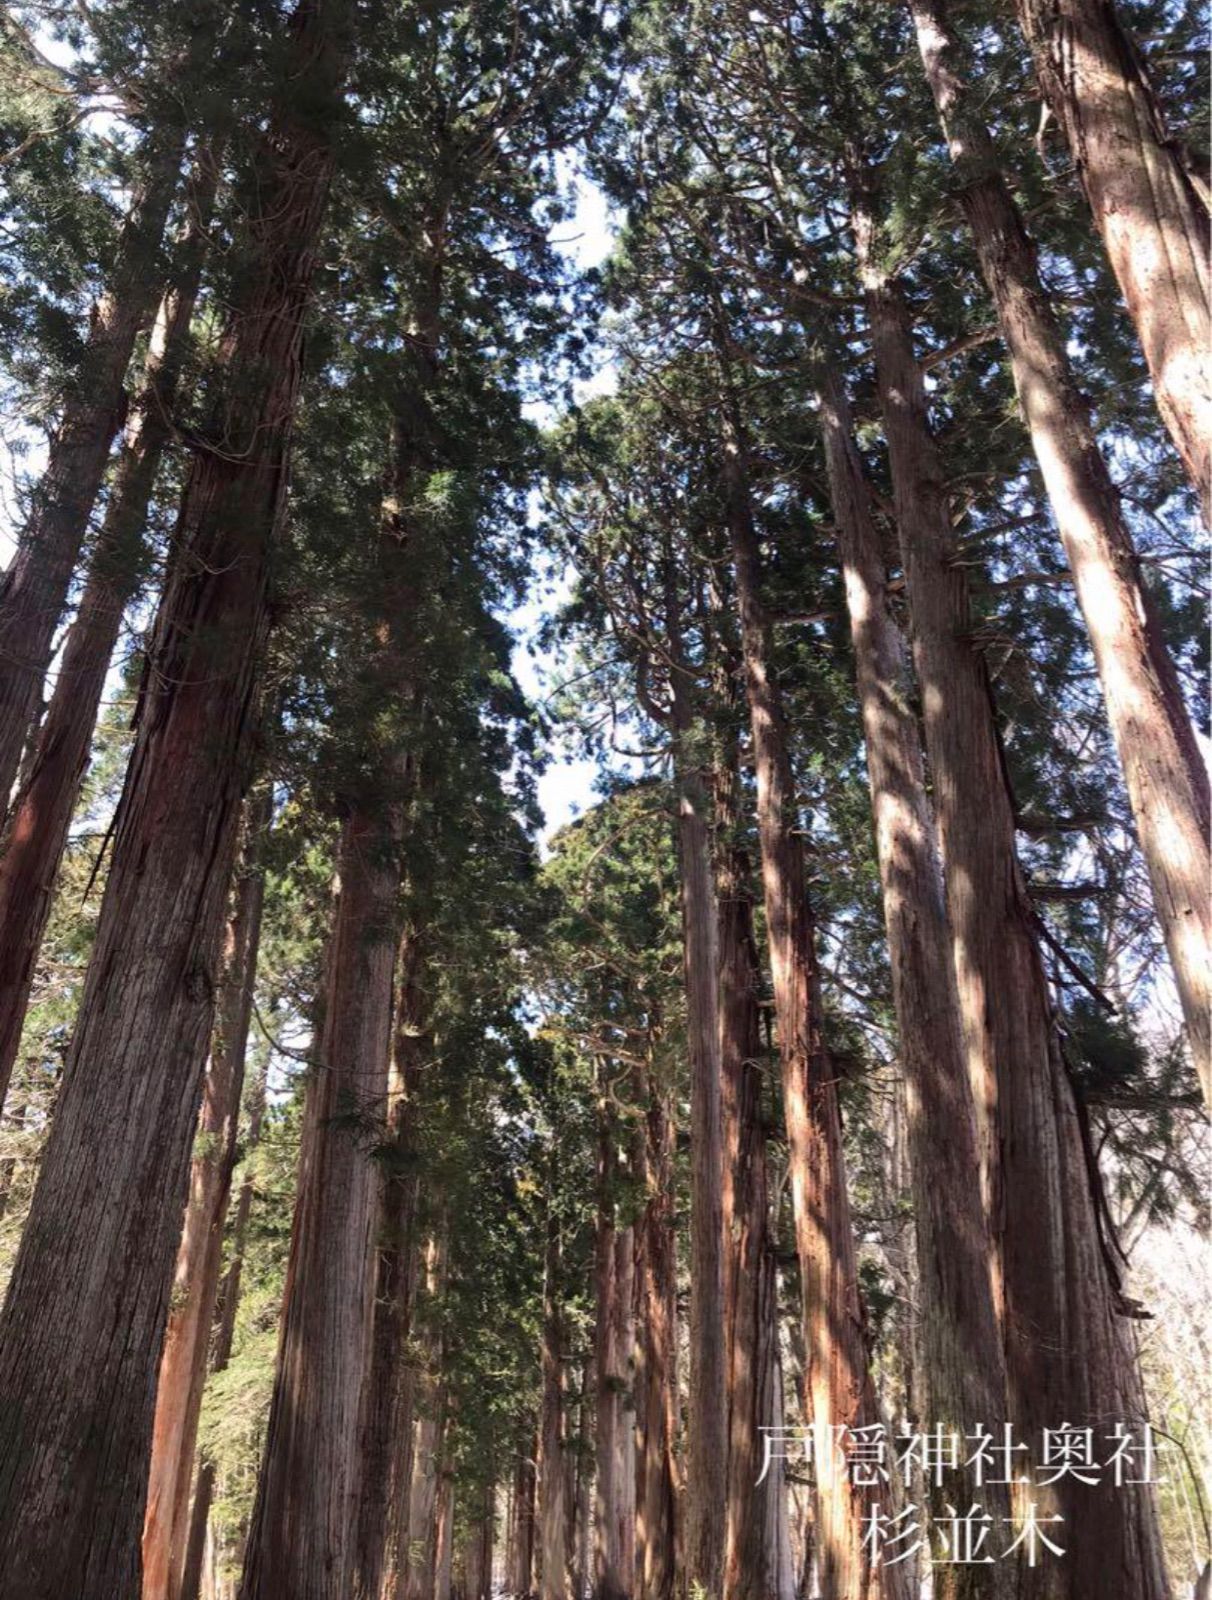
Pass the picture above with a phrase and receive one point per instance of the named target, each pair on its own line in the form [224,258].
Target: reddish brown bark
[1067,1351]
[301,1538]
[40,817]
[84,1318]
[614,1362]
[519,1564]
[196,1281]
[387,1430]
[192,1565]
[477,1555]
[422,1571]
[750,1570]
[1164,771]
[707,1408]
[966,1381]
[657,1483]
[553,1511]
[34,589]
[1145,202]
[841,1394]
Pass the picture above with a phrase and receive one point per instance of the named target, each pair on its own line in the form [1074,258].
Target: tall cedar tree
[85,1314]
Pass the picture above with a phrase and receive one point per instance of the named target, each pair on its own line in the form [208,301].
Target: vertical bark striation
[656,1354]
[751,1289]
[840,1390]
[614,1434]
[84,1319]
[196,1281]
[193,1560]
[383,1504]
[34,589]
[966,1380]
[1145,203]
[1165,774]
[40,817]
[300,1541]
[553,1511]
[1067,1353]
[707,1421]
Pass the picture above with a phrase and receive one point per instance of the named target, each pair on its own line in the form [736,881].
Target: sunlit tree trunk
[98,1249]
[582,1564]
[553,1512]
[444,1513]
[707,1410]
[966,1370]
[1145,201]
[193,1567]
[421,1574]
[1068,1351]
[1164,771]
[39,822]
[614,1329]
[749,1283]
[382,1509]
[34,589]
[840,1389]
[196,1281]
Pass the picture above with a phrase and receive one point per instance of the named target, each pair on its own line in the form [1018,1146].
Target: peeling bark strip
[1067,1351]
[41,815]
[965,1367]
[199,1257]
[34,589]
[840,1389]
[84,1320]
[1145,204]
[1165,774]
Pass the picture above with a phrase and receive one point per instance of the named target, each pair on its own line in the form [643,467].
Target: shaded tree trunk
[480,1541]
[1145,202]
[1164,772]
[656,1348]
[193,1564]
[614,1434]
[1067,1352]
[34,589]
[387,1433]
[40,817]
[199,1256]
[519,1565]
[301,1537]
[97,1254]
[966,1379]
